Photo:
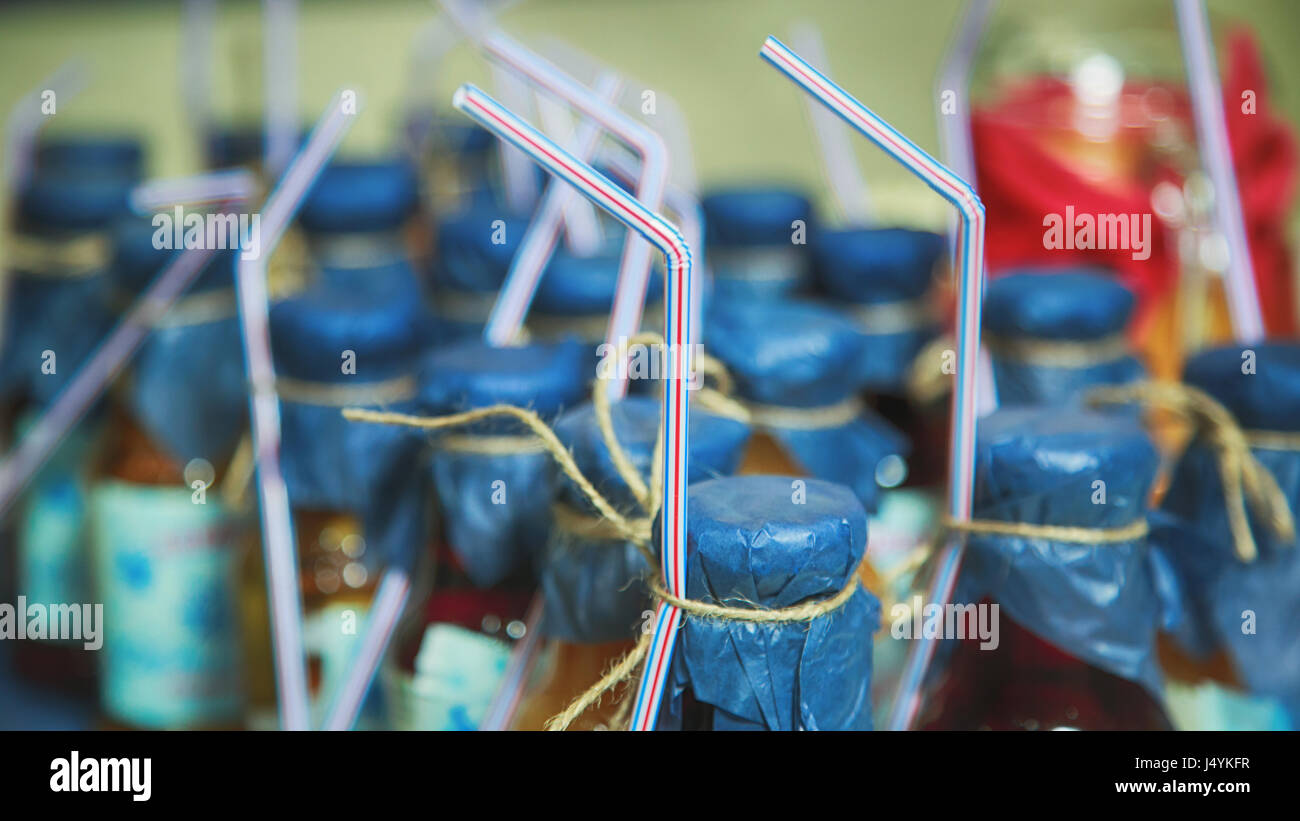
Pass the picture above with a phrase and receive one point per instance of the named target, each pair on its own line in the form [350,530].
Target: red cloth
[1020,183]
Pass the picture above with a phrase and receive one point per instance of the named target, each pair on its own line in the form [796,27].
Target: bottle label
[51,525]
[51,539]
[165,569]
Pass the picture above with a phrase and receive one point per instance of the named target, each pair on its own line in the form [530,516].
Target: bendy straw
[254,320]
[94,377]
[516,170]
[385,610]
[198,24]
[1212,136]
[690,218]
[961,465]
[523,657]
[953,91]
[685,207]
[280,73]
[507,317]
[234,185]
[842,171]
[634,268]
[30,114]
[583,233]
[655,229]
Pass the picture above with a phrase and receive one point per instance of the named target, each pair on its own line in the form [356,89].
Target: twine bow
[1244,477]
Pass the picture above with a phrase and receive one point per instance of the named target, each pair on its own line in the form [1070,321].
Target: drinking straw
[1212,136]
[507,317]
[501,712]
[233,185]
[517,171]
[280,73]
[677,334]
[26,119]
[254,319]
[961,465]
[198,22]
[667,114]
[842,171]
[93,378]
[634,268]
[385,609]
[690,219]
[582,230]
[954,76]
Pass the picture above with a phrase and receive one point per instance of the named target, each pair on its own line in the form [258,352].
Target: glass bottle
[757,238]
[356,490]
[57,310]
[592,576]
[773,542]
[1071,643]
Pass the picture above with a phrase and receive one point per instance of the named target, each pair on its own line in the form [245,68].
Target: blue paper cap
[456,137]
[91,153]
[1267,397]
[136,262]
[875,264]
[311,330]
[758,539]
[715,444]
[71,201]
[753,215]
[792,353]
[575,285]
[472,374]
[466,257]
[361,196]
[1052,304]
[1040,466]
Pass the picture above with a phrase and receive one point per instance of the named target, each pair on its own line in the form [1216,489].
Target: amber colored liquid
[570,671]
[764,455]
[1028,684]
[131,456]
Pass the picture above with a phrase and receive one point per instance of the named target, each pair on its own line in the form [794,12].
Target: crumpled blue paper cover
[494,537]
[1222,590]
[748,540]
[1101,603]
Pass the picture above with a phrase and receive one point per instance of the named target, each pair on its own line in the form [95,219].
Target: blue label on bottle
[165,569]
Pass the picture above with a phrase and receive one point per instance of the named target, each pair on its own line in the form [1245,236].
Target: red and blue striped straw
[961,464]
[677,333]
[539,242]
[254,320]
[1212,137]
[634,268]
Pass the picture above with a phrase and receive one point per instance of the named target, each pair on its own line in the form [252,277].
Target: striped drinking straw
[954,127]
[655,229]
[961,465]
[583,234]
[538,245]
[634,268]
[841,167]
[1212,137]
[254,321]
